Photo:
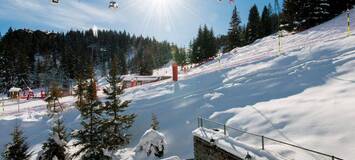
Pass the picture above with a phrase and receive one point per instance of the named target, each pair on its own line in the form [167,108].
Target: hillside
[303,96]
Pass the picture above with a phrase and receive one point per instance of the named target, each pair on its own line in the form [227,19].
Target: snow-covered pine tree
[115,123]
[18,148]
[56,144]
[234,33]
[253,26]
[155,122]
[90,136]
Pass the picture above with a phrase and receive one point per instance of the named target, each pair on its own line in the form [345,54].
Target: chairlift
[113,4]
[55,1]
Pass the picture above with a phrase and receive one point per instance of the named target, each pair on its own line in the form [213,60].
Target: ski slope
[304,96]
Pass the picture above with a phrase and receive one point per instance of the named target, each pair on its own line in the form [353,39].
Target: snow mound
[151,141]
[172,158]
[150,147]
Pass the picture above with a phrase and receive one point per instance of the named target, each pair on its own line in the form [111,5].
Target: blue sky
[173,20]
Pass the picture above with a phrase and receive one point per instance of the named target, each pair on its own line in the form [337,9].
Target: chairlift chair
[113,4]
[55,1]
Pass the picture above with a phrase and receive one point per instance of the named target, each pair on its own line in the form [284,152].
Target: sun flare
[159,14]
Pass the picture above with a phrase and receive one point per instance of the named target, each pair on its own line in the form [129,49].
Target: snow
[149,139]
[172,158]
[232,146]
[303,95]
[140,78]
[212,96]
[14,89]
[59,141]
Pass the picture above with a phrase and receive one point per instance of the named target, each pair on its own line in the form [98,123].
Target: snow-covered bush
[152,142]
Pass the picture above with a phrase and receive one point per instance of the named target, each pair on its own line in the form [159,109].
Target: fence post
[333,158]
[201,122]
[198,122]
[262,143]
[225,129]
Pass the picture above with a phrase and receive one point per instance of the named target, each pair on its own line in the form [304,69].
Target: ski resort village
[177,80]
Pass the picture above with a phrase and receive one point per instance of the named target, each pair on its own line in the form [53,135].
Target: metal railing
[201,121]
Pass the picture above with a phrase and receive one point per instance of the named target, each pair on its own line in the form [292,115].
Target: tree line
[295,16]
[206,45]
[298,15]
[35,58]
[104,125]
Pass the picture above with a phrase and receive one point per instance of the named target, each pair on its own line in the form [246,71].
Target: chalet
[14,92]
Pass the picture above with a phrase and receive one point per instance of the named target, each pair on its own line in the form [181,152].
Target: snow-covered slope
[305,96]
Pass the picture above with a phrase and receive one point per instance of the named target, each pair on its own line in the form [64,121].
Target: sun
[159,13]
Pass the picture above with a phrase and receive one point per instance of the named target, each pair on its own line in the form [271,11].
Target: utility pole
[277,12]
[348,17]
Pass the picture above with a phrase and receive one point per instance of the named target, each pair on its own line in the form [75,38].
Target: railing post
[201,122]
[333,158]
[262,143]
[225,129]
[198,122]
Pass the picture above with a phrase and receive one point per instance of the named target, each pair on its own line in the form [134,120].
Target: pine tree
[253,26]
[291,15]
[209,43]
[3,87]
[179,56]
[18,148]
[275,17]
[90,136]
[196,55]
[234,33]
[337,7]
[56,144]
[204,46]
[155,122]
[266,22]
[319,12]
[80,90]
[53,97]
[115,123]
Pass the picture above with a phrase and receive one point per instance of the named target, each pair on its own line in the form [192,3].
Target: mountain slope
[304,96]
[297,97]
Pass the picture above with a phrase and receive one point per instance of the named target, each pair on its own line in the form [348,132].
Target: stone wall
[203,150]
